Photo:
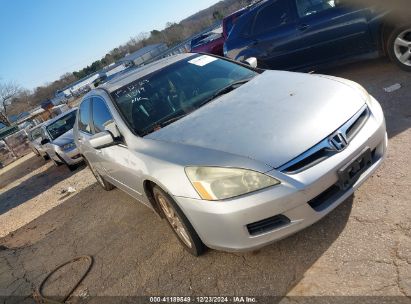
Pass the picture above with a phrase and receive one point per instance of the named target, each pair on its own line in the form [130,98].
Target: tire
[72,168]
[399,47]
[101,181]
[46,157]
[56,163]
[179,223]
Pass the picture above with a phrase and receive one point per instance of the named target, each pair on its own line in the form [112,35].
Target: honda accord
[233,157]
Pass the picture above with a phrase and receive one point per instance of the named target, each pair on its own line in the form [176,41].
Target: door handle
[303,27]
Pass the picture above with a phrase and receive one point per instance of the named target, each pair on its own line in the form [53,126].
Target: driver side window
[272,16]
[84,117]
[312,7]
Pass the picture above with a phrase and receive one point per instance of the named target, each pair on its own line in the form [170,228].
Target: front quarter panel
[164,163]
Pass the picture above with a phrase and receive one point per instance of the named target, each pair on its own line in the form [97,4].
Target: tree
[217,15]
[7,92]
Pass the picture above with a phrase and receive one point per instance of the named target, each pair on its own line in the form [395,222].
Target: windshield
[176,90]
[61,126]
[36,133]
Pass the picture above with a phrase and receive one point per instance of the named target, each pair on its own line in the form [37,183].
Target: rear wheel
[399,47]
[178,222]
[102,182]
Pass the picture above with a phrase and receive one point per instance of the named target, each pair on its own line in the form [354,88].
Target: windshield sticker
[202,60]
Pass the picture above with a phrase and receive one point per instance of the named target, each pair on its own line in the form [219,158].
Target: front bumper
[71,157]
[223,225]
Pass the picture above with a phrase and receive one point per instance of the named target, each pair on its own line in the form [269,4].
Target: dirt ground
[363,248]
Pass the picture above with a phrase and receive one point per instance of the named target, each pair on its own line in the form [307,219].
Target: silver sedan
[233,157]
[58,142]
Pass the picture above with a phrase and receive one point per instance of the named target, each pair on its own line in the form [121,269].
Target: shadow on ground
[34,185]
[30,164]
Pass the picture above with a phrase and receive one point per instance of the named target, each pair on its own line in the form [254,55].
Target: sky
[42,40]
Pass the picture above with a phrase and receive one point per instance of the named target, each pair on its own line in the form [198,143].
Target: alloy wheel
[174,221]
[402,47]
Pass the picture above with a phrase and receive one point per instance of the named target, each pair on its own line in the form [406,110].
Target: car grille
[324,150]
[267,225]
[325,199]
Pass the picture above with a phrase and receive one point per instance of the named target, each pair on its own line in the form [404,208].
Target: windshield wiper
[226,90]
[171,120]
[162,124]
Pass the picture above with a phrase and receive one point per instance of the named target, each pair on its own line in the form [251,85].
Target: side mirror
[112,128]
[252,62]
[102,140]
[45,141]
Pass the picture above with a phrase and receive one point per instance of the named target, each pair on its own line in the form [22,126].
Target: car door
[118,162]
[273,35]
[330,30]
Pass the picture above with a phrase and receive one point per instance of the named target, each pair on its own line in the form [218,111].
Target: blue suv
[305,34]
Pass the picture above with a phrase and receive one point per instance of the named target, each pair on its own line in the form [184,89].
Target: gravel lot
[363,248]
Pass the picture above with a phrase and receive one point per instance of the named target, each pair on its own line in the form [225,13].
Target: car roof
[243,10]
[49,122]
[137,73]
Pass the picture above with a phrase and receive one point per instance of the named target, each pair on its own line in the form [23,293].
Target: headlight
[213,183]
[69,146]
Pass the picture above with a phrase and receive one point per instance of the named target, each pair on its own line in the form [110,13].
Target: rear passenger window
[84,117]
[101,115]
[271,16]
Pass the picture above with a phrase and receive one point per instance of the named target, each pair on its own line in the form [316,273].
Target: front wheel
[101,181]
[399,47]
[55,162]
[178,222]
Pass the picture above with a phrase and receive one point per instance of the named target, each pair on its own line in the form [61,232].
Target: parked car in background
[58,110]
[306,34]
[211,43]
[59,141]
[28,124]
[230,20]
[225,152]
[36,135]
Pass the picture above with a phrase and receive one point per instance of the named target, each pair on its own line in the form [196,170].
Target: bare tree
[7,92]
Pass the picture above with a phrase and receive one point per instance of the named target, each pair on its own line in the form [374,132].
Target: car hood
[64,139]
[272,119]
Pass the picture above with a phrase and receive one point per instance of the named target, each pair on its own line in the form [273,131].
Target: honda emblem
[338,142]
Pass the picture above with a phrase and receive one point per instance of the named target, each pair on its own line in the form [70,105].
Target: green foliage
[217,15]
